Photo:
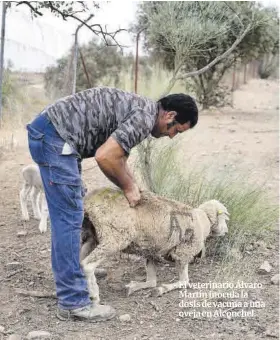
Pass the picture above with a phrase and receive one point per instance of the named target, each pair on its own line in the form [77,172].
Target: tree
[203,39]
[100,60]
[104,65]
[70,9]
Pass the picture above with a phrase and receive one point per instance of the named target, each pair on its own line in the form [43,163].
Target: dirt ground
[241,138]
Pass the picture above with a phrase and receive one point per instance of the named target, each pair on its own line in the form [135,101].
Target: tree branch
[33,9]
[217,59]
[104,34]
[107,36]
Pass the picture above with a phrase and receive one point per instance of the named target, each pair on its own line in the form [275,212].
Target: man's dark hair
[184,105]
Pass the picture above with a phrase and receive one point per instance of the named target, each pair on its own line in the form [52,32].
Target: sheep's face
[218,216]
[220,228]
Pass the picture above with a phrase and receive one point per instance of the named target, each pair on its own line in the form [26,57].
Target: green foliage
[8,86]
[105,65]
[188,35]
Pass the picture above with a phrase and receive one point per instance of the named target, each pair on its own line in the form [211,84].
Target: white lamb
[33,188]
[157,229]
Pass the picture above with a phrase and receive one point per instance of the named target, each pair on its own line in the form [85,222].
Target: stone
[15,337]
[22,233]
[265,268]
[13,265]
[37,335]
[125,318]
[275,279]
[2,329]
[271,333]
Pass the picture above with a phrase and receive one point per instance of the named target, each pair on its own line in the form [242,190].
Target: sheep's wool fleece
[157,224]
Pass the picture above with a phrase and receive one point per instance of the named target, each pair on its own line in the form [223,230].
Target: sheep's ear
[226,213]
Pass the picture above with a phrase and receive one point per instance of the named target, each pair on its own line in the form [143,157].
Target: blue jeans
[63,188]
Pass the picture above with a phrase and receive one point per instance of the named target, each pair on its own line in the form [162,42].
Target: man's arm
[112,160]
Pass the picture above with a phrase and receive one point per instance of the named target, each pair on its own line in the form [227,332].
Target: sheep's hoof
[130,288]
[100,273]
[43,229]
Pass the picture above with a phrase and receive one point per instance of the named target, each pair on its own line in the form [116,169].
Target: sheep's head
[218,216]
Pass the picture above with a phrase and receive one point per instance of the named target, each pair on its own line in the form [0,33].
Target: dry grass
[252,215]
[21,105]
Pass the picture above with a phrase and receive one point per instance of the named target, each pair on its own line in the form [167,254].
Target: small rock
[178,320]
[125,318]
[2,329]
[37,335]
[22,233]
[270,246]
[271,333]
[2,224]
[265,268]
[233,117]
[231,130]
[13,265]
[275,279]
[15,337]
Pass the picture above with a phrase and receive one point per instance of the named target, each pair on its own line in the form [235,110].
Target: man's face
[166,125]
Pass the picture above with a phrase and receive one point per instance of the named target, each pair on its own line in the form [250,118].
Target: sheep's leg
[23,201]
[203,252]
[89,270]
[89,264]
[151,279]
[183,282]
[44,214]
[34,197]
[38,200]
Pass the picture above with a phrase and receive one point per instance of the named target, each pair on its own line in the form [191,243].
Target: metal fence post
[137,60]
[4,11]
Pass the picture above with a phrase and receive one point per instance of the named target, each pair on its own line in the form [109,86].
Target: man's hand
[112,160]
[133,196]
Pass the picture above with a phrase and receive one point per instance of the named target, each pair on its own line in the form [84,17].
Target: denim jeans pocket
[63,174]
[72,194]
[63,168]
[35,142]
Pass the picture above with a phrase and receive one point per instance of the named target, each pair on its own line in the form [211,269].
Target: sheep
[157,229]
[33,187]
